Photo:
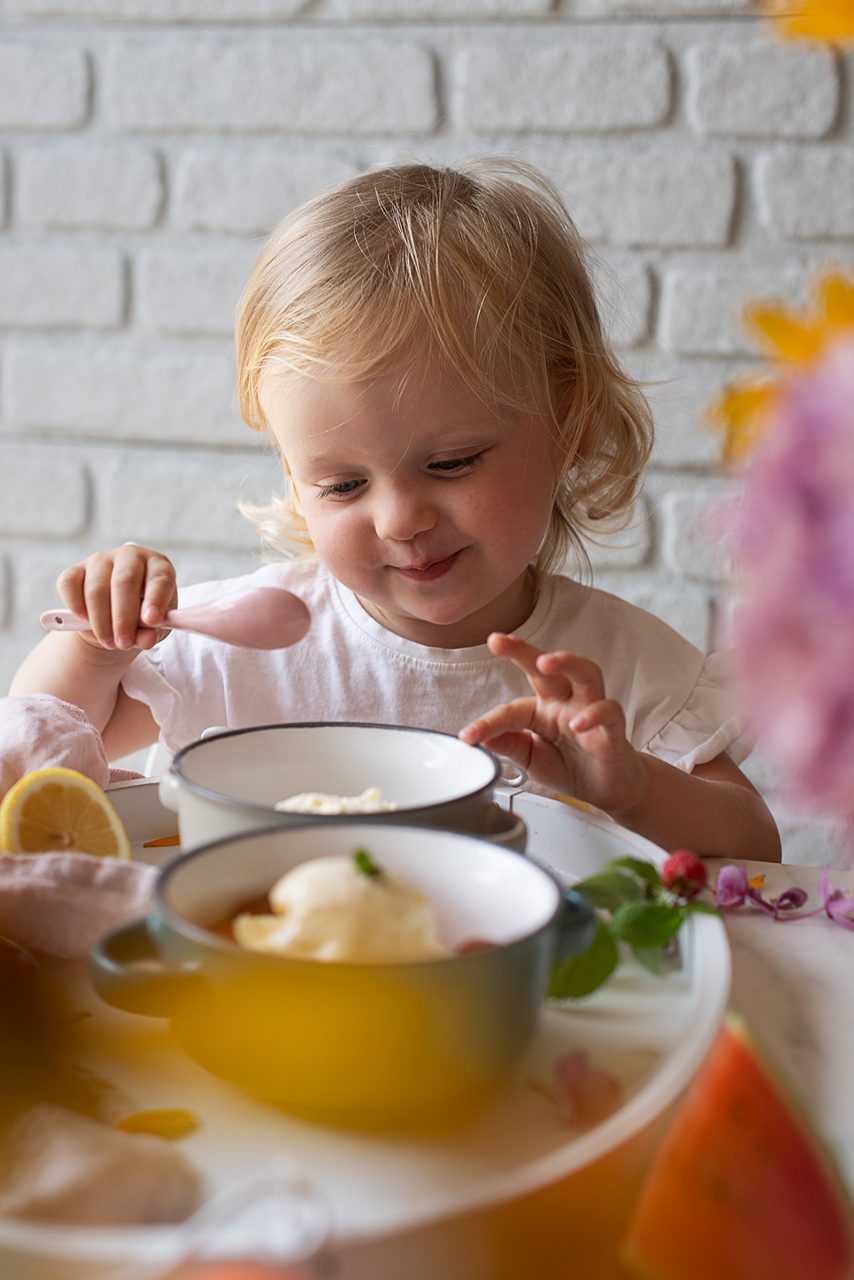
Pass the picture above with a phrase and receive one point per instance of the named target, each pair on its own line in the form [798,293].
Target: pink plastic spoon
[260,618]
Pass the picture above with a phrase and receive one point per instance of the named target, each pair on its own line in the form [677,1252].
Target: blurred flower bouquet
[792,433]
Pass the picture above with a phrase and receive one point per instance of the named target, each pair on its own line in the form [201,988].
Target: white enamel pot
[230,782]
[342,1041]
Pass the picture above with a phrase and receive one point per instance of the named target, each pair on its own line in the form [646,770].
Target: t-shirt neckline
[379,634]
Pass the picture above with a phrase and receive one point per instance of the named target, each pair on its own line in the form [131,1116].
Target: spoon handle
[65,620]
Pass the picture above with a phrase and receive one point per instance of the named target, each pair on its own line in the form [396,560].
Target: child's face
[427,504]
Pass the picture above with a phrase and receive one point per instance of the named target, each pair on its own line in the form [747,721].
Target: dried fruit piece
[166,1123]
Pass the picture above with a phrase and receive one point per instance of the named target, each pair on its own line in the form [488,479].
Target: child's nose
[401,515]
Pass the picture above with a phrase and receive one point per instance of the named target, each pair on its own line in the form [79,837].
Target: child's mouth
[431,570]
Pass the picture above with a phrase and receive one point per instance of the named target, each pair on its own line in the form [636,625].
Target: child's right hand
[124,593]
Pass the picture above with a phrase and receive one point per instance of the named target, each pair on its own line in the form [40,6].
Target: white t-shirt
[349,667]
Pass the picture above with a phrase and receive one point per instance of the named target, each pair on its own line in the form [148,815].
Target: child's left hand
[569,736]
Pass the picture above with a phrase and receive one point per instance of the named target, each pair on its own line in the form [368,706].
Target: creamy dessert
[371,800]
[343,908]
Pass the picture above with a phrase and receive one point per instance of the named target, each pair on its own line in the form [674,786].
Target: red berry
[684,873]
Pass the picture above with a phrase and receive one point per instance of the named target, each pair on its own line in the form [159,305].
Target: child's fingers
[110,589]
[126,586]
[147,637]
[507,717]
[97,597]
[583,677]
[526,657]
[160,591]
[515,746]
[69,584]
[605,714]
[552,675]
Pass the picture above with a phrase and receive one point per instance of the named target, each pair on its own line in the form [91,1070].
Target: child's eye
[457,464]
[343,489]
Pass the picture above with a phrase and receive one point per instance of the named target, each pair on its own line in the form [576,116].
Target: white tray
[650,1032]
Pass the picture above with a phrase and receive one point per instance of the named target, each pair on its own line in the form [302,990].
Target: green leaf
[365,863]
[651,958]
[658,960]
[610,888]
[646,870]
[704,908]
[646,924]
[581,974]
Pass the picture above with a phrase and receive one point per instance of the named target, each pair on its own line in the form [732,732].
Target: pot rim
[253,806]
[198,933]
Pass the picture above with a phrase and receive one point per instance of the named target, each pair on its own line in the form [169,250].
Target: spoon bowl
[258,618]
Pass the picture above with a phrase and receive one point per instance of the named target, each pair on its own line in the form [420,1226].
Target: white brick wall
[147,145]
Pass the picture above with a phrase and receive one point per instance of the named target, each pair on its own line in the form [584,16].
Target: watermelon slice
[740,1188]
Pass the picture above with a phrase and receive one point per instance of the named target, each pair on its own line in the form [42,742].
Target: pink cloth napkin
[38,731]
[60,903]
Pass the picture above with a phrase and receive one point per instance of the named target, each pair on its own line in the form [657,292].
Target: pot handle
[578,924]
[511,776]
[505,828]
[128,971]
[168,789]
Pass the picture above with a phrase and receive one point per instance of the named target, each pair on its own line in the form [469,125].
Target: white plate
[650,1032]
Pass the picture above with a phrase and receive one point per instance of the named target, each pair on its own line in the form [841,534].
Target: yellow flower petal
[836,298]
[816,19]
[756,882]
[785,334]
[740,412]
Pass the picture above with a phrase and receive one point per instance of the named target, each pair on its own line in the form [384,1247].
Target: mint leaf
[610,888]
[581,974]
[704,908]
[645,870]
[365,863]
[646,924]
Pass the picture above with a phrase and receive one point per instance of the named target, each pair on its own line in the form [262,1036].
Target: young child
[423,347]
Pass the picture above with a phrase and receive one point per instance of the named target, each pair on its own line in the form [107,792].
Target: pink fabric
[58,904]
[38,731]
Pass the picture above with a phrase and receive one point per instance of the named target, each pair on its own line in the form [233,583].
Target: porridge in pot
[371,800]
[346,909]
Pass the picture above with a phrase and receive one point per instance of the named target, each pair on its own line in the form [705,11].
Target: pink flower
[794,538]
[838,905]
[584,1093]
[733,890]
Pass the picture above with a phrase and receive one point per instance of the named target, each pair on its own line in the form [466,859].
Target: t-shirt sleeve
[706,724]
[181,685]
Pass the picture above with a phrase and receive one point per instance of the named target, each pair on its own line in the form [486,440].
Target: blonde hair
[480,267]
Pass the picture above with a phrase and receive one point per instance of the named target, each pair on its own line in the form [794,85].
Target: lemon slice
[61,809]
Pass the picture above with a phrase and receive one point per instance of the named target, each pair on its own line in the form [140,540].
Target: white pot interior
[411,767]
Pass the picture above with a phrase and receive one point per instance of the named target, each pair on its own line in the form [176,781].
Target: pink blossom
[794,541]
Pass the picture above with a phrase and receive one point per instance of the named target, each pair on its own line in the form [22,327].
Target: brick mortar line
[94,26]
